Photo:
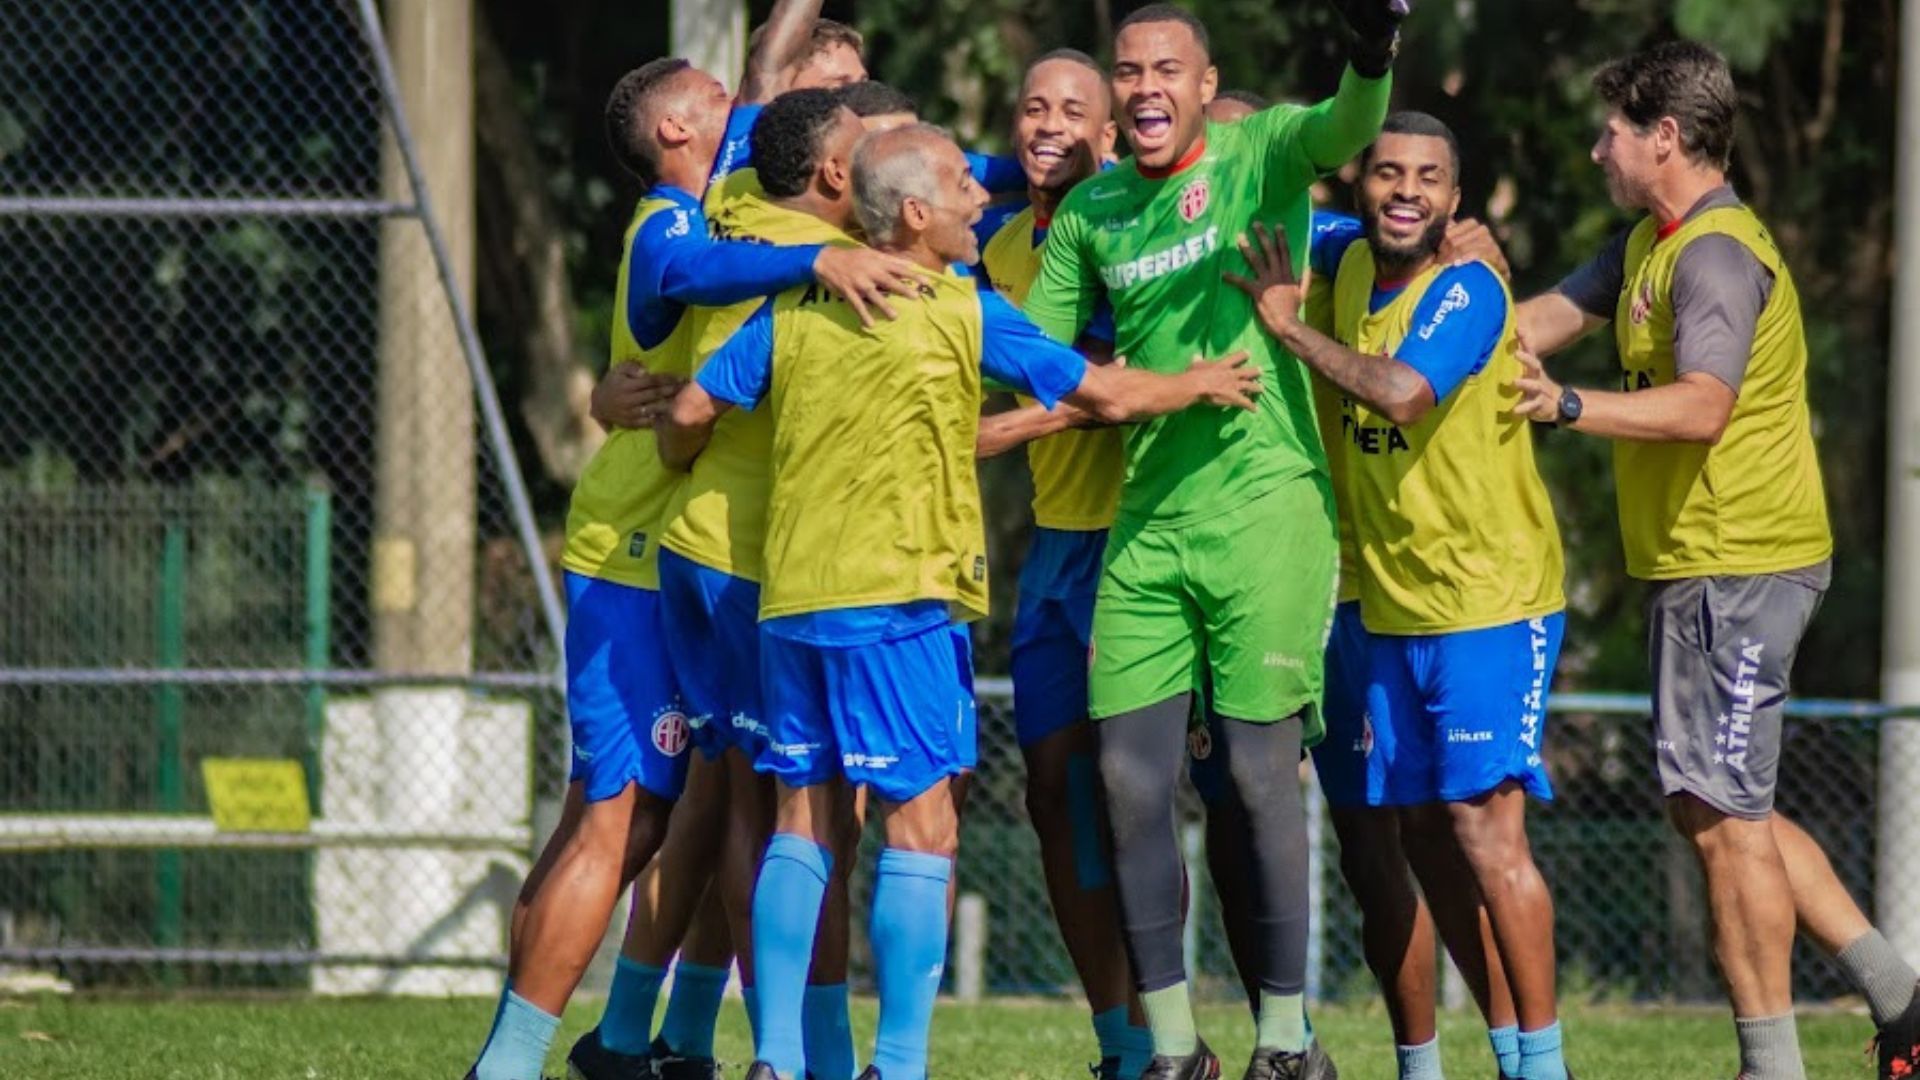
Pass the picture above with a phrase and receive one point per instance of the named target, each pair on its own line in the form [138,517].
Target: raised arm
[782,44]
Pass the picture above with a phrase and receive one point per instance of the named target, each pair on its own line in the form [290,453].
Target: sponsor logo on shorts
[1536,700]
[636,545]
[670,733]
[582,755]
[1283,660]
[792,751]
[871,762]
[743,722]
[1200,743]
[1459,735]
[1736,727]
[1194,199]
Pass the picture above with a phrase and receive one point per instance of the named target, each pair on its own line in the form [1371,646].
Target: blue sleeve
[1016,354]
[1101,326]
[674,259]
[741,370]
[736,147]
[999,175]
[1456,327]
[1333,233]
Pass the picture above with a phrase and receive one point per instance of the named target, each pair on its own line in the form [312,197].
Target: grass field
[313,1039]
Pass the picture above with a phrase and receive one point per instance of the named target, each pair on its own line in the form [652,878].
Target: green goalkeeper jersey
[1157,245]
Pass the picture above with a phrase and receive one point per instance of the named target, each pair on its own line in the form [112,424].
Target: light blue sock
[1506,1048]
[517,1046]
[693,1008]
[1136,1051]
[829,1033]
[1109,1030]
[1540,1055]
[786,911]
[908,926]
[752,1001]
[626,1027]
[1420,1062]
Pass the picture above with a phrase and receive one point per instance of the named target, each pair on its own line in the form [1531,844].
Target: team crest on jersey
[1200,743]
[670,733]
[1642,304]
[1194,199]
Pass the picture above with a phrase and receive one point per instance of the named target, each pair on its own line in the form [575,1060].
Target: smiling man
[1459,559]
[1191,594]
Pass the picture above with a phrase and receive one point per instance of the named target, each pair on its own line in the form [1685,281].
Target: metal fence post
[319,624]
[169,707]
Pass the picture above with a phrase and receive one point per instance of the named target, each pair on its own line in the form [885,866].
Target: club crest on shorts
[670,733]
[1200,743]
[1194,199]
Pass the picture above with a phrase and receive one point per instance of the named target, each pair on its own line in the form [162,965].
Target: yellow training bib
[1076,474]
[613,523]
[1454,528]
[718,518]
[875,500]
[1754,503]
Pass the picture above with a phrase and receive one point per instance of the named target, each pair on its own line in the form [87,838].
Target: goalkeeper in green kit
[1221,565]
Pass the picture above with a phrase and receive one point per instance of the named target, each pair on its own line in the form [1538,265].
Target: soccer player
[1441,487]
[833,57]
[1062,131]
[796,189]
[665,122]
[1220,569]
[873,458]
[1722,509]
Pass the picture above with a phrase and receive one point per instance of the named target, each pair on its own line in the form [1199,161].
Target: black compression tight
[1141,755]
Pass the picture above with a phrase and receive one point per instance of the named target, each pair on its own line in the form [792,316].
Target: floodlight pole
[1896,898]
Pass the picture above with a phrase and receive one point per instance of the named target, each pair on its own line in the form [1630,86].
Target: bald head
[914,193]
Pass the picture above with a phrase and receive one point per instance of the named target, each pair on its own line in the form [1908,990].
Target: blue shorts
[886,715]
[1465,712]
[621,701]
[713,639]
[1351,761]
[1052,630]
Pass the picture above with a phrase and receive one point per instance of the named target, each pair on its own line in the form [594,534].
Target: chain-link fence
[257,501]
[251,506]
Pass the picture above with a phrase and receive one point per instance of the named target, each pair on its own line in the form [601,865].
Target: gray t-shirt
[1719,290]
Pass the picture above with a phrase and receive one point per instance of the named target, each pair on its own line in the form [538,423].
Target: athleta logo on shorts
[670,733]
[1730,742]
[1536,700]
[867,761]
[1194,198]
[1163,262]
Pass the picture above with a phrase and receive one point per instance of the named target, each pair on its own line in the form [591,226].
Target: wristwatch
[1570,407]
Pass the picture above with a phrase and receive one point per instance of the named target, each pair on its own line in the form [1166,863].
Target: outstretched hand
[1539,394]
[1276,292]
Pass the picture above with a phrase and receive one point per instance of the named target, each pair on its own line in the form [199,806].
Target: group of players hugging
[1285,503]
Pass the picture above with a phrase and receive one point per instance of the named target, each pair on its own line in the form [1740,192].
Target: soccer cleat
[668,1065]
[1897,1045]
[1309,1064]
[591,1060]
[1199,1065]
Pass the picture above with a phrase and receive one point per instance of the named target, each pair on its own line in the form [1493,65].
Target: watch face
[1569,405]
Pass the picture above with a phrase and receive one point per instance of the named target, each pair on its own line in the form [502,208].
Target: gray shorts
[1721,649]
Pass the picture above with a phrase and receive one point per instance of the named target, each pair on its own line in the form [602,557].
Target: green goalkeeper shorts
[1240,603]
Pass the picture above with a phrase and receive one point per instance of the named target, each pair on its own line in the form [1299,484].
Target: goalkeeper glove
[1376,28]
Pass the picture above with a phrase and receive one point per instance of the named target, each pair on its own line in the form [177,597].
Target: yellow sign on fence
[257,794]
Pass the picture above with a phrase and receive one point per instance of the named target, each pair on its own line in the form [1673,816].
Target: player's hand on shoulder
[1231,382]
[630,396]
[1275,290]
[1469,239]
[865,278]
[1539,394]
